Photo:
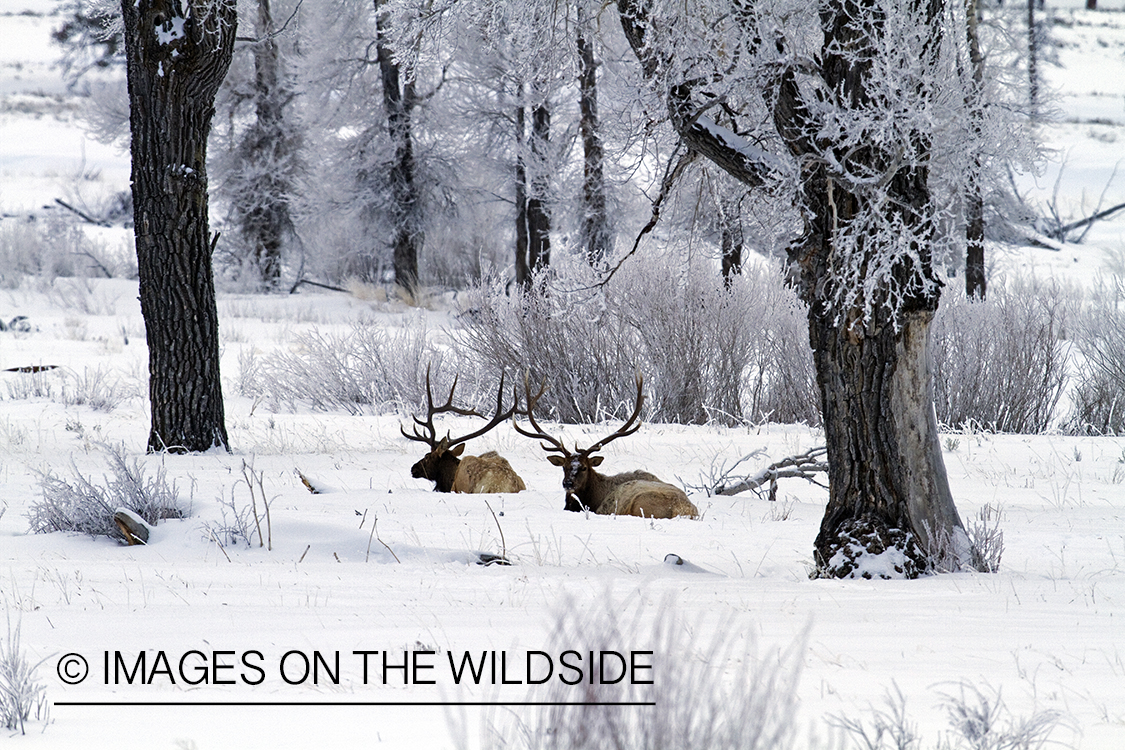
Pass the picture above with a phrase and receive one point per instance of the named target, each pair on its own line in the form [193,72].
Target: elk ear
[557,460]
[596,461]
[457,450]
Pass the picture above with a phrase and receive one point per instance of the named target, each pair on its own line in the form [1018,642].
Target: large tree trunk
[597,241]
[399,99]
[538,212]
[177,55]
[890,511]
[888,489]
[887,483]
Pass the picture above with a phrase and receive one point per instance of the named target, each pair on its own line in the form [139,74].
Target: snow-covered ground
[1047,632]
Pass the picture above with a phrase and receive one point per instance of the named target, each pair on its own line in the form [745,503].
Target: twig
[503,544]
[298,283]
[305,481]
[211,532]
[675,168]
[375,534]
[247,474]
[307,548]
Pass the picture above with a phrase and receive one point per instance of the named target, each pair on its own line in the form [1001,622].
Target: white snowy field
[1046,633]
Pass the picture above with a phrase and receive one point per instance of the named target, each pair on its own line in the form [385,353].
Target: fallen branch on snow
[804,466]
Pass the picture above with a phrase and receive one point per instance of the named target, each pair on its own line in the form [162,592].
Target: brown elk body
[632,493]
[444,464]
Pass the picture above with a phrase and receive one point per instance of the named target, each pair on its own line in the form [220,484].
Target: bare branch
[804,466]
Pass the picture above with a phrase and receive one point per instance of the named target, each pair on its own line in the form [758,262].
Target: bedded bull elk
[444,465]
[633,493]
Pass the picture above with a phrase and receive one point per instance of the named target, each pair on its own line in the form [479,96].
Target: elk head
[578,465]
[440,464]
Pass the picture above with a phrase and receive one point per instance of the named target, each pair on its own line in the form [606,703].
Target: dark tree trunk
[538,212]
[888,486]
[1033,59]
[399,99]
[976,284]
[1091,4]
[523,271]
[887,480]
[173,77]
[269,150]
[533,220]
[597,241]
[730,239]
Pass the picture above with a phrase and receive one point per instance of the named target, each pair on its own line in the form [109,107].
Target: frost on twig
[804,466]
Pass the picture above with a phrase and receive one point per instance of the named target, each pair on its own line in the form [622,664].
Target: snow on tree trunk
[177,55]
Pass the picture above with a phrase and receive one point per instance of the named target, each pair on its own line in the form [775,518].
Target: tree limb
[804,466]
[676,167]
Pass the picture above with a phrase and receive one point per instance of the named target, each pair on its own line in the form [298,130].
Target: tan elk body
[632,493]
[444,464]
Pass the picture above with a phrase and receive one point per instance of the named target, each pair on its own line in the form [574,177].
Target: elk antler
[539,434]
[626,429]
[430,435]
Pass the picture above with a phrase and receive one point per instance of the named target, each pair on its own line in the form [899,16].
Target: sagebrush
[84,506]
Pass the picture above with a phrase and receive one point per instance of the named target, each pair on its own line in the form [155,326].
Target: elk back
[488,472]
[648,499]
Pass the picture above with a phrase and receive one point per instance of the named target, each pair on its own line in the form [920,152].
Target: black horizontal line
[243,704]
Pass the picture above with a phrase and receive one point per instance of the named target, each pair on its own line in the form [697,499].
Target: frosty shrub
[21,693]
[31,385]
[367,368]
[1098,398]
[88,508]
[696,338]
[708,353]
[716,695]
[978,720]
[35,249]
[1000,364]
[781,382]
[96,388]
[55,247]
[576,343]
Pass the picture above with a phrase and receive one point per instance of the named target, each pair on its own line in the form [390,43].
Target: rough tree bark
[888,486]
[269,150]
[399,100]
[597,241]
[533,218]
[976,284]
[1033,59]
[730,237]
[538,213]
[523,273]
[177,53]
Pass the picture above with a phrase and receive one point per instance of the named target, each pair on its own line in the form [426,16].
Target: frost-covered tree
[845,99]
[378,179]
[259,168]
[177,52]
